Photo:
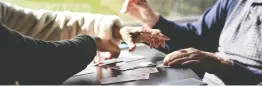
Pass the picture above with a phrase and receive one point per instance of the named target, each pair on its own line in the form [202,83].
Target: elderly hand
[141,10]
[132,35]
[191,57]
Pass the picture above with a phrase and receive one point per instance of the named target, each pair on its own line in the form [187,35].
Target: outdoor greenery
[171,8]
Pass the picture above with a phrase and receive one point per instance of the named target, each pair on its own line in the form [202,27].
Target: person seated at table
[226,40]
[43,59]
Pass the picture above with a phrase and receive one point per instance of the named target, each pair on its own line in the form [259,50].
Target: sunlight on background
[173,9]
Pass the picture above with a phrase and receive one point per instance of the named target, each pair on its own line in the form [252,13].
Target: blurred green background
[173,9]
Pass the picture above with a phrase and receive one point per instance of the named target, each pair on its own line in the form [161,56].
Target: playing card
[125,78]
[125,66]
[190,81]
[146,64]
[141,70]
[160,64]
[107,62]
[132,58]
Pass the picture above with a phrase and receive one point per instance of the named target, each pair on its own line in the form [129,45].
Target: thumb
[127,38]
[127,5]
[114,51]
[130,43]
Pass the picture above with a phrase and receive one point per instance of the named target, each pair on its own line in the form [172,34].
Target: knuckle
[157,30]
[191,48]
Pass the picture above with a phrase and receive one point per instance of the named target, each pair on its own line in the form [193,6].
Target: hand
[191,57]
[141,10]
[132,35]
[104,45]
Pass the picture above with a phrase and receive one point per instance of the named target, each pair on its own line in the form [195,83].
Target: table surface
[164,75]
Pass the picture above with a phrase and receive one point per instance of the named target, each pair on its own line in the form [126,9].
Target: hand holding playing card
[191,57]
[132,35]
[104,45]
[141,10]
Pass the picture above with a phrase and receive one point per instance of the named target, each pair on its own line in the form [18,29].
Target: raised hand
[108,46]
[141,10]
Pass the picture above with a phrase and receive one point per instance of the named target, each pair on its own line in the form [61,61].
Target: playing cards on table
[125,78]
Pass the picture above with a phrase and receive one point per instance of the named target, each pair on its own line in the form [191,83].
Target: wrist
[99,43]
[154,20]
[226,66]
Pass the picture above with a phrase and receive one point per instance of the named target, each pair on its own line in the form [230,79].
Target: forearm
[202,34]
[181,35]
[57,25]
[54,62]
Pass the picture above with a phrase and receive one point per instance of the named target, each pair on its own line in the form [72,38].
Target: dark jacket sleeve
[242,75]
[202,34]
[33,61]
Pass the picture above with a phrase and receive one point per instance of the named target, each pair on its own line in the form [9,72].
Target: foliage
[174,8]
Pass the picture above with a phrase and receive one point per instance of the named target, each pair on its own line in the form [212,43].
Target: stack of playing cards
[124,66]
[160,64]
[127,66]
[134,58]
[108,62]
[146,64]
[141,70]
[190,81]
[125,78]
[112,61]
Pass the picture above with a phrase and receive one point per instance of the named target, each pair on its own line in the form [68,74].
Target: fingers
[113,49]
[177,62]
[158,43]
[97,58]
[114,53]
[131,46]
[142,4]
[162,42]
[128,39]
[174,55]
[152,43]
[159,35]
[156,38]
[137,34]
[190,63]
[128,4]
[156,33]
[174,58]
[184,61]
